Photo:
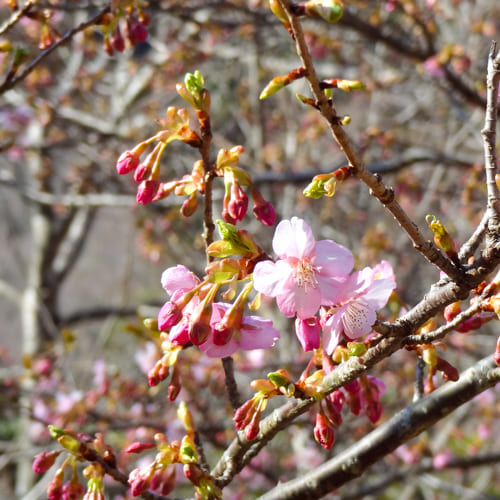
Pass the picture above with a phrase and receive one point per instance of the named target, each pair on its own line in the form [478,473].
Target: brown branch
[489,136]
[377,188]
[231,386]
[439,333]
[404,426]
[11,80]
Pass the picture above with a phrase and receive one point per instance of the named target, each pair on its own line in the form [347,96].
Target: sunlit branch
[378,189]
[489,135]
[16,16]
[404,426]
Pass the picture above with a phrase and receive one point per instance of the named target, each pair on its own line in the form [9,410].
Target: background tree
[81,84]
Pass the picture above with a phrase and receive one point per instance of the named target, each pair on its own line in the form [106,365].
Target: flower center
[305,275]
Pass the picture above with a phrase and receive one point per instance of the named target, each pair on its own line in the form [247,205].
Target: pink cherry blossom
[308,274]
[360,296]
[254,333]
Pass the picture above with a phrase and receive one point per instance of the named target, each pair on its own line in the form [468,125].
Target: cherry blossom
[360,296]
[308,274]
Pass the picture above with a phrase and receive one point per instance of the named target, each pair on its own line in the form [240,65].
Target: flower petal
[333,330]
[272,278]
[358,319]
[304,303]
[331,259]
[178,278]
[293,238]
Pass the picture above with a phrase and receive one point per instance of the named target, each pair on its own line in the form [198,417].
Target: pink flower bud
[323,432]
[332,413]
[127,162]
[253,428]
[168,316]
[54,489]
[199,332]
[373,411]
[245,413]
[222,334]
[72,490]
[142,172]
[452,310]
[238,203]
[147,191]
[263,210]
[44,461]
[138,447]
[139,480]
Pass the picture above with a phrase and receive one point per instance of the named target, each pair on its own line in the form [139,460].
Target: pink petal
[358,319]
[333,331]
[332,259]
[273,278]
[178,278]
[378,294]
[293,238]
[305,303]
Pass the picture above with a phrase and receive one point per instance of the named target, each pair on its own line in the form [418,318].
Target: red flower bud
[238,203]
[373,411]
[136,31]
[138,447]
[168,316]
[44,461]
[323,431]
[127,162]
[147,191]
[117,40]
[263,210]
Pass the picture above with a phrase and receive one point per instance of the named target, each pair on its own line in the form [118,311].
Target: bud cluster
[134,26]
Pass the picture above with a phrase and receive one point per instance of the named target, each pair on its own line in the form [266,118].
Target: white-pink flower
[308,274]
[254,333]
[360,296]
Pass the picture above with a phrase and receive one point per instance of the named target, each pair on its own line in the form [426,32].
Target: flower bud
[147,191]
[117,40]
[44,461]
[138,447]
[263,210]
[127,162]
[323,431]
[330,10]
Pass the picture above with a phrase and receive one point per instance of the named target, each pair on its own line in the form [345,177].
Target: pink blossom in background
[254,333]
[308,274]
[442,459]
[360,296]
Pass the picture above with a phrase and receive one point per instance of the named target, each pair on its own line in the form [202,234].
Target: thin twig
[11,82]
[439,333]
[16,16]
